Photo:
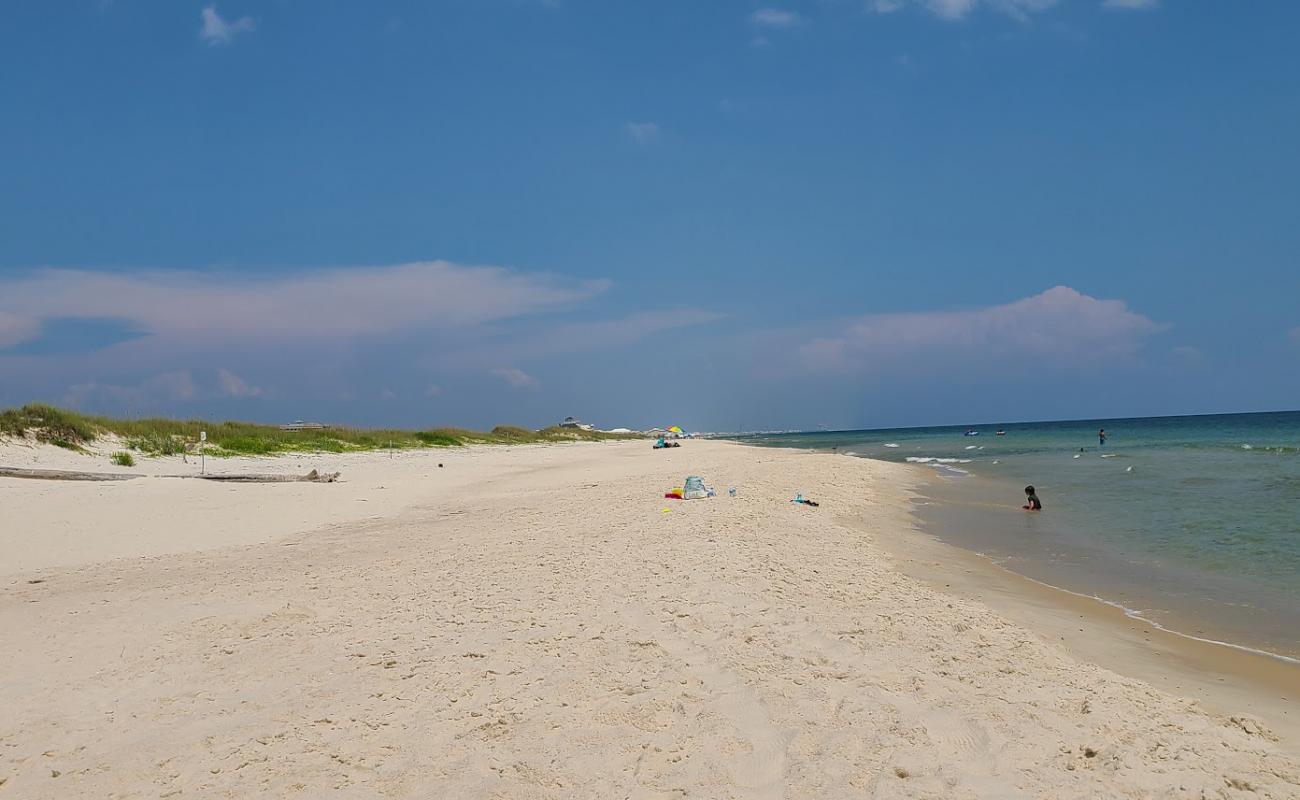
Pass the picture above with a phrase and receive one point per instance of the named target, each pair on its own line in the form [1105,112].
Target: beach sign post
[203,458]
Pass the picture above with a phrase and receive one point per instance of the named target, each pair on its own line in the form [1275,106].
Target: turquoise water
[1192,523]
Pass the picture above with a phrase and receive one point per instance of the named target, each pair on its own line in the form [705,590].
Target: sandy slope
[527,623]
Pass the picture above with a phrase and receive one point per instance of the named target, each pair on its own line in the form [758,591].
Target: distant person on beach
[1032,503]
[1101,437]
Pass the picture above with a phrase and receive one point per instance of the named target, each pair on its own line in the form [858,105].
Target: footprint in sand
[759,767]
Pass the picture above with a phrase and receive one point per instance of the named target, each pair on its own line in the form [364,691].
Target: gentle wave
[1135,614]
[934,460]
[1263,449]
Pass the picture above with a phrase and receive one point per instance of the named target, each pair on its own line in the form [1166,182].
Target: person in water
[1101,437]
[1032,503]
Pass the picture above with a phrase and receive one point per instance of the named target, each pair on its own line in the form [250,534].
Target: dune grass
[123,459]
[159,436]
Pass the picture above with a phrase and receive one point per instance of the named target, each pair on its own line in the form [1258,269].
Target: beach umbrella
[674,429]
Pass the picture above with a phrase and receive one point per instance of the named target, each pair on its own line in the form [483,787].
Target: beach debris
[314,476]
[694,488]
[65,475]
[311,477]
[801,500]
[731,492]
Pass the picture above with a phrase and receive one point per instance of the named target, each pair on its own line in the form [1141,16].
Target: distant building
[299,425]
[572,422]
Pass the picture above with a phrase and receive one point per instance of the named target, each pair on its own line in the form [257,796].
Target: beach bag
[694,488]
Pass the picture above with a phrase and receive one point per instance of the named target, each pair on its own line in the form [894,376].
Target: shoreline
[1222,674]
[956,508]
[1178,525]
[530,621]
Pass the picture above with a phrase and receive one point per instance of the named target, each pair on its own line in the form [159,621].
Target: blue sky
[723,215]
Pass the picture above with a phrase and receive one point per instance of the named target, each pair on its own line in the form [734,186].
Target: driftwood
[70,475]
[310,477]
[65,475]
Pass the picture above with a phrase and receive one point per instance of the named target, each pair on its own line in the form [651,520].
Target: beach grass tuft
[123,459]
[439,438]
[48,424]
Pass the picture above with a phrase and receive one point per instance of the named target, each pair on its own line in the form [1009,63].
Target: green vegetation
[156,437]
[438,438]
[123,459]
[48,424]
[157,444]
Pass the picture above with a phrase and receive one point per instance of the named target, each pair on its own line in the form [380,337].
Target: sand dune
[528,623]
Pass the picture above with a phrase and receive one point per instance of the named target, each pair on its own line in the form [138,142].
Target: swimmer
[1032,503]
[1101,437]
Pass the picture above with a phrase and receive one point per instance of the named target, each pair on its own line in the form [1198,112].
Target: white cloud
[314,330]
[216,30]
[950,9]
[153,392]
[1059,327]
[643,132]
[575,337]
[517,378]
[959,9]
[17,328]
[1130,5]
[1186,356]
[589,335]
[186,311]
[775,18]
[234,386]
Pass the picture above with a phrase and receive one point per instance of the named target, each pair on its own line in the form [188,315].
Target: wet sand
[1223,678]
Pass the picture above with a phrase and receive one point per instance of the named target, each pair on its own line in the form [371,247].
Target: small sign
[203,436]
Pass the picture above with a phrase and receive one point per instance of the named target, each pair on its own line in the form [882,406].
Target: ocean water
[1189,523]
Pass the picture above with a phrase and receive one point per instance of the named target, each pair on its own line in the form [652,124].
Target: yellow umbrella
[674,429]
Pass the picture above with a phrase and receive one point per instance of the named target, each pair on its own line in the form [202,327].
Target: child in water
[1032,503]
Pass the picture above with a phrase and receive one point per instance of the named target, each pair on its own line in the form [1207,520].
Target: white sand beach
[528,622]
